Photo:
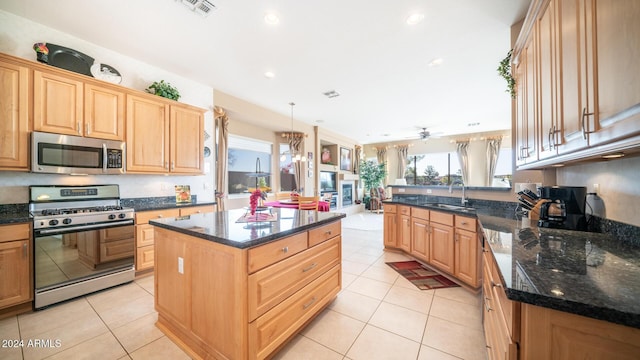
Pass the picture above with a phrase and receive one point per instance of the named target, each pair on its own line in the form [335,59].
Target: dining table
[292,204]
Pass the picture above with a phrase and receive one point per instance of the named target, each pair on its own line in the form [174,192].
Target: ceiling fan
[426,134]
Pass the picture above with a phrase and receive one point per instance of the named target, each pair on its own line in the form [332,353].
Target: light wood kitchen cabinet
[552,334]
[144,249]
[147,135]
[144,236]
[14,115]
[466,251]
[501,316]
[104,108]
[57,103]
[186,147]
[163,138]
[404,230]
[265,304]
[420,236]
[616,50]
[442,244]
[390,226]
[584,98]
[16,278]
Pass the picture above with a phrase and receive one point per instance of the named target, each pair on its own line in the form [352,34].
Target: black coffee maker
[564,208]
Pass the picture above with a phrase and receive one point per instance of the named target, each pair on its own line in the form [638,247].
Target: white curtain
[381,154]
[222,159]
[462,149]
[493,151]
[403,151]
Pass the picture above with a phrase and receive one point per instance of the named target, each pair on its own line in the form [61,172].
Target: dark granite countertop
[14,213]
[221,227]
[585,273]
[160,203]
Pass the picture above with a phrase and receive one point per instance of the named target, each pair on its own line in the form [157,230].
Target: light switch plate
[180,265]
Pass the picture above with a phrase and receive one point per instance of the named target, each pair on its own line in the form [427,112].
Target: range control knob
[122,216]
[53,222]
[112,216]
[66,221]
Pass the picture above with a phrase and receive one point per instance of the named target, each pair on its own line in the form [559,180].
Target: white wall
[17,36]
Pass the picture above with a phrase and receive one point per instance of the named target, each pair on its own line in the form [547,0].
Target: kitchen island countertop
[223,227]
[585,273]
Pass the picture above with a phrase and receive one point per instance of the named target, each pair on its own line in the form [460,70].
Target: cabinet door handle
[285,249]
[173,165]
[79,128]
[327,232]
[25,251]
[305,306]
[160,215]
[309,267]
[166,165]
[486,306]
[584,128]
[552,131]
[88,128]
[496,285]
[464,223]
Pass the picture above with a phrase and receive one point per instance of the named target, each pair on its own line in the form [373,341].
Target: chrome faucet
[463,199]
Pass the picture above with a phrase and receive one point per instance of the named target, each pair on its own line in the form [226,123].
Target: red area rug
[421,276]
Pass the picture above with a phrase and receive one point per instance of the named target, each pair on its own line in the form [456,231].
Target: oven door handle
[84,227]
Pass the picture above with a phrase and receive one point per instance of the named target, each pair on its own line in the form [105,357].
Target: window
[433,169]
[504,172]
[243,155]
[287,171]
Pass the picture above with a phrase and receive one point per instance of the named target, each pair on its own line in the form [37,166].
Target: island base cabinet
[552,334]
[270,331]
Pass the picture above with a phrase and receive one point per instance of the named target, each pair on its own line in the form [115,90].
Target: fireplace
[347,194]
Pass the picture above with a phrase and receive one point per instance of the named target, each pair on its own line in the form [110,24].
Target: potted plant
[371,175]
[504,70]
[163,89]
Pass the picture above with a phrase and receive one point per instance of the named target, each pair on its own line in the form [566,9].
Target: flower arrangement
[256,195]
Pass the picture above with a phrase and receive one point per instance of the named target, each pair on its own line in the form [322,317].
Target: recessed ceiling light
[269,75]
[436,62]
[271,18]
[331,94]
[473,124]
[415,18]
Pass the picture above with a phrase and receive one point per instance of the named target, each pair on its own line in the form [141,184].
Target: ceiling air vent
[201,7]
[331,94]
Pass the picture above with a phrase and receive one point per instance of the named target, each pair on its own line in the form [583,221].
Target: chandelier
[295,155]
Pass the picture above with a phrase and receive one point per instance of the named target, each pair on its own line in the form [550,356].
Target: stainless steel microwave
[66,154]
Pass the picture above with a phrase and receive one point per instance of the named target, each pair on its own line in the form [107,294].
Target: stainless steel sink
[451,207]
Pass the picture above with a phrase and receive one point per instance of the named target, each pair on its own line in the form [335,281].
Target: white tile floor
[378,315]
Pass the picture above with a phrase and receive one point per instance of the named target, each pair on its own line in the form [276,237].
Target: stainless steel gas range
[83,241]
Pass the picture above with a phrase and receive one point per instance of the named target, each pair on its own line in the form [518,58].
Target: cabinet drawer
[115,250]
[117,233]
[275,283]
[441,218]
[144,235]
[144,257]
[404,210]
[420,213]
[270,330]
[143,217]
[324,233]
[466,223]
[265,255]
[15,232]
[390,208]
[196,210]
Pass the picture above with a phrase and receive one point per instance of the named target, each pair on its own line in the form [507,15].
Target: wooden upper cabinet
[187,138]
[14,116]
[572,68]
[57,104]
[617,50]
[103,112]
[147,135]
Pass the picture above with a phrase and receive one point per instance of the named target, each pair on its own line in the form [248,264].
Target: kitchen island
[228,288]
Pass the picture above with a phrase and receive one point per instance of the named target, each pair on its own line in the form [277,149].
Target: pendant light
[295,156]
